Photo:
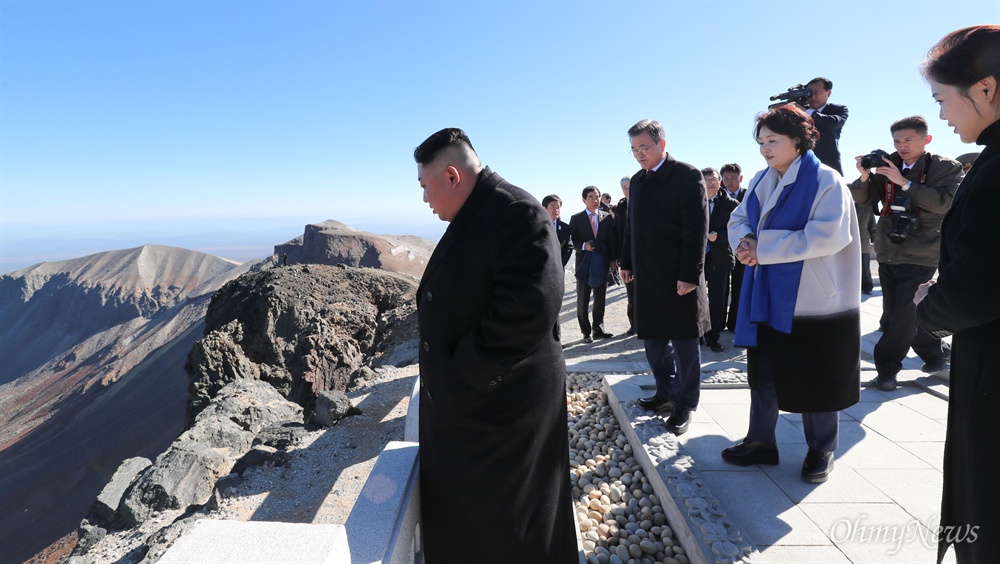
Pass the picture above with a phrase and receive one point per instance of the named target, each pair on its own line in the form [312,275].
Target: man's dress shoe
[587,339]
[817,466]
[884,384]
[751,452]
[655,403]
[716,347]
[679,422]
[603,335]
[939,365]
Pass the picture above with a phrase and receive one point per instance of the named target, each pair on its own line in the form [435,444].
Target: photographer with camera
[910,193]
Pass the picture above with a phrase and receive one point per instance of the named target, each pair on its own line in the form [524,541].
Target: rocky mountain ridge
[93,352]
[280,348]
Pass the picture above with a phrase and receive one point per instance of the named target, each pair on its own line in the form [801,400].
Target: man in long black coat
[719,259]
[494,448]
[664,252]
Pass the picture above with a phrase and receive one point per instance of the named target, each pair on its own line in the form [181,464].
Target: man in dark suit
[664,253]
[492,374]
[719,258]
[621,218]
[732,176]
[829,119]
[553,205]
[592,231]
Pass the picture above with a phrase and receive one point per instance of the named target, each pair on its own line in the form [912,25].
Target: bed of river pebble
[621,520]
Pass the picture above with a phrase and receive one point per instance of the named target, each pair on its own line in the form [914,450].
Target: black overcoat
[494,449]
[665,242]
[966,302]
[720,253]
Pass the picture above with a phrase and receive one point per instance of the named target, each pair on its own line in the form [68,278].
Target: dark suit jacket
[829,123]
[665,242]
[565,241]
[965,302]
[493,385]
[720,253]
[581,232]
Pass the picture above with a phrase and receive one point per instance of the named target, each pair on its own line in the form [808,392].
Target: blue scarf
[769,291]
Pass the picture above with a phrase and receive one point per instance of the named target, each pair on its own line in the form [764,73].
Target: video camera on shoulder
[889,200]
[798,94]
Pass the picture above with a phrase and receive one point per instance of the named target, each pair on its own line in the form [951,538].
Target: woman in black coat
[963,71]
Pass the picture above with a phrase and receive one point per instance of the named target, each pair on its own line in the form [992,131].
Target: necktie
[593,223]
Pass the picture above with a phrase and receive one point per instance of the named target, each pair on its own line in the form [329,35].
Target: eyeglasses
[642,149]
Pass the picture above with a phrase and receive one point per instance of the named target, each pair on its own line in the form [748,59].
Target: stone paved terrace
[880,504]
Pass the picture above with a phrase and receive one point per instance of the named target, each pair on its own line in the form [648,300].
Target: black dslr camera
[904,219]
[798,94]
[874,159]
[887,200]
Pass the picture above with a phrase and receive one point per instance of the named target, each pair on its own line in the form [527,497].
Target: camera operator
[829,119]
[911,191]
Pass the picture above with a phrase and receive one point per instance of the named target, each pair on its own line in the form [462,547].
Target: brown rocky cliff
[333,243]
[303,329]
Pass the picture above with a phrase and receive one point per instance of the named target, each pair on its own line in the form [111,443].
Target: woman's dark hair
[964,57]
[791,121]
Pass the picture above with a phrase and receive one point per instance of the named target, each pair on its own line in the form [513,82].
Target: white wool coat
[829,245]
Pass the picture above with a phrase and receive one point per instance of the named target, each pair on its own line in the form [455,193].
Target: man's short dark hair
[916,123]
[589,189]
[827,83]
[549,199]
[791,121]
[710,171]
[732,167]
[650,126]
[427,151]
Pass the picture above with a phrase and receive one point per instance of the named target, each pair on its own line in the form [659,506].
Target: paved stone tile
[918,492]
[926,404]
[897,422]
[873,532]
[861,447]
[732,418]
[725,396]
[930,452]
[785,554]
[845,485]
[771,518]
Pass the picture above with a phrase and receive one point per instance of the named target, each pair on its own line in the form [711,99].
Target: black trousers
[630,310]
[583,303]
[736,283]
[718,298]
[866,273]
[899,284]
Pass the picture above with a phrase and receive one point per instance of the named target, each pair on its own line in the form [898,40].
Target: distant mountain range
[92,354]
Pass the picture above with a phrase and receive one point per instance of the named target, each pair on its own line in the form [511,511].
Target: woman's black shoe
[751,452]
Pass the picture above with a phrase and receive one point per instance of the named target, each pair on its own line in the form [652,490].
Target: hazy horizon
[237,239]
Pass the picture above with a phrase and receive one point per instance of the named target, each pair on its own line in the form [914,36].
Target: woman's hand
[922,291]
[746,251]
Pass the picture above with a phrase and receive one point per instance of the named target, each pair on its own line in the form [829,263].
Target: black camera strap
[882,198]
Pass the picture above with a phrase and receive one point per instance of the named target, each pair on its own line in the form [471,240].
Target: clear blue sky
[131,122]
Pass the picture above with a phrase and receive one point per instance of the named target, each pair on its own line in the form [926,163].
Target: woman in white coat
[797,232]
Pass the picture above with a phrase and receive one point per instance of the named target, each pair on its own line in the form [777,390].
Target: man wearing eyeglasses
[664,254]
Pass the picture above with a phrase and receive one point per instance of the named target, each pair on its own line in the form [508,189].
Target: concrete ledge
[251,542]
[384,525]
[699,522]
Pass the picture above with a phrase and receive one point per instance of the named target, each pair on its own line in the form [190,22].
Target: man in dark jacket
[553,205]
[494,453]
[732,177]
[593,233]
[719,258]
[621,217]
[907,242]
[829,119]
[664,252]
